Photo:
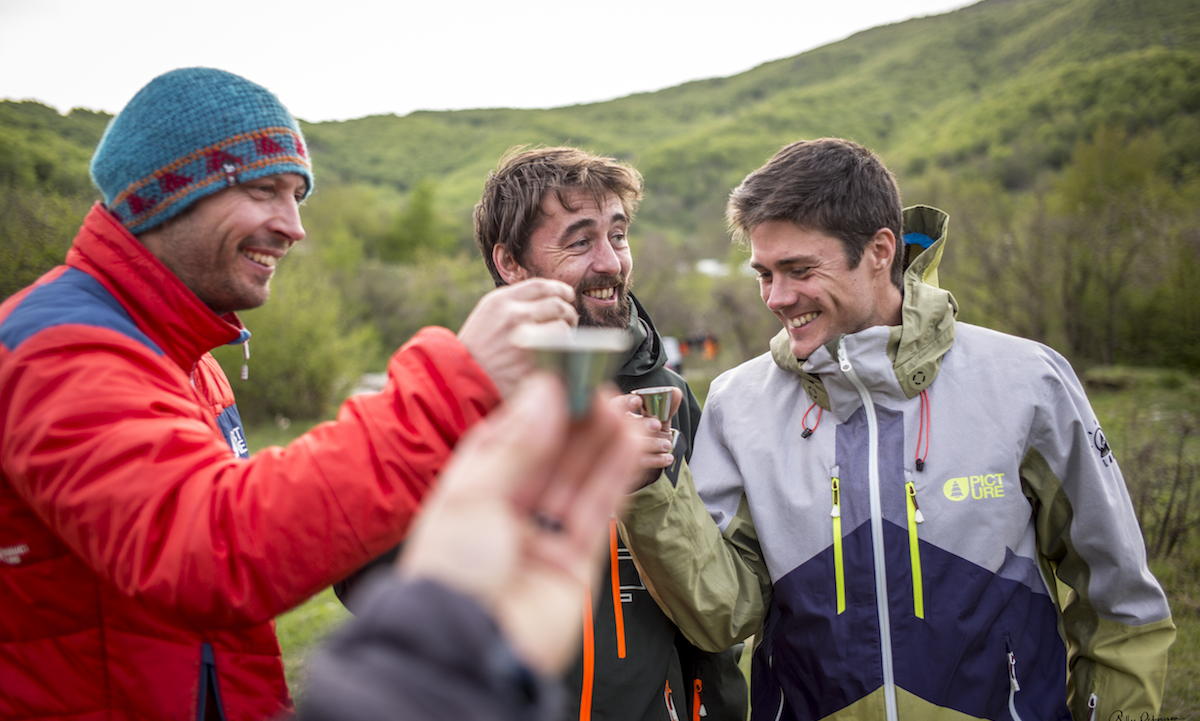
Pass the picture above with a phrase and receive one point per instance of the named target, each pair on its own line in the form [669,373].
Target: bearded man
[564,214]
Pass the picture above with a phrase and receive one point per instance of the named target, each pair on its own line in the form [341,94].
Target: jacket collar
[645,352]
[161,305]
[915,347]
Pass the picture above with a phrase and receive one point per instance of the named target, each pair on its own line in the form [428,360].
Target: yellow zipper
[839,574]
[914,549]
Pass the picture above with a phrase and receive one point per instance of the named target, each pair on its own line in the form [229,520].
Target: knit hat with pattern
[190,133]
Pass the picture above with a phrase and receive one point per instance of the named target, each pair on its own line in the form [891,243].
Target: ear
[508,267]
[881,250]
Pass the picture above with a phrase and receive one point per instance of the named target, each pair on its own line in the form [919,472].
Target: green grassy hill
[951,90]
[1006,87]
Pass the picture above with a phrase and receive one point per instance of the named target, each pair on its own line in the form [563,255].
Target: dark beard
[616,317]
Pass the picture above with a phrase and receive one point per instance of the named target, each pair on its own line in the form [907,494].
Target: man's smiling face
[807,282]
[225,247]
[585,248]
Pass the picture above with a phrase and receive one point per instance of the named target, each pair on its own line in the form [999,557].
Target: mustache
[266,242]
[602,281]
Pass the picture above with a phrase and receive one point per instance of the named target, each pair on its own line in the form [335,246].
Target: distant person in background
[146,553]
[483,611]
[890,499]
[674,353]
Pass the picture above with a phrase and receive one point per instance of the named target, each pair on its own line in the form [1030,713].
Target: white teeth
[802,320]
[261,258]
[600,293]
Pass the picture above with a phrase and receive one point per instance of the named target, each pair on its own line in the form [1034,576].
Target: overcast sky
[342,59]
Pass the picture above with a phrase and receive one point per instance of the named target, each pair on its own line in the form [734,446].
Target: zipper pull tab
[918,516]
[1092,701]
[836,512]
[843,359]
[1012,672]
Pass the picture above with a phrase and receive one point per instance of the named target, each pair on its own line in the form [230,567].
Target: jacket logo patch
[237,441]
[12,554]
[1100,443]
[990,485]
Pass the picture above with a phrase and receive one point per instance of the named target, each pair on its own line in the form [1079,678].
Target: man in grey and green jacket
[919,518]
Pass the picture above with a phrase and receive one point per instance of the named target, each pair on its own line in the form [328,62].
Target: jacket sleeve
[110,446]
[713,585]
[1114,613]
[416,651]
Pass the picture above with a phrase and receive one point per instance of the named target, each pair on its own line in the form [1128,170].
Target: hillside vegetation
[1062,136]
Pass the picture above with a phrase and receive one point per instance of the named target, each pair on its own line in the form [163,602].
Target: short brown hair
[829,185]
[511,207]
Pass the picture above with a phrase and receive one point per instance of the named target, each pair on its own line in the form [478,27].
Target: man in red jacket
[144,552]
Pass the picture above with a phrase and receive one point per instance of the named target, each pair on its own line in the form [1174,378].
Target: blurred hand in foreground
[487,333]
[520,516]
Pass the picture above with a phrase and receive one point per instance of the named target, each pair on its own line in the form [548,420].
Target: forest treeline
[1062,137]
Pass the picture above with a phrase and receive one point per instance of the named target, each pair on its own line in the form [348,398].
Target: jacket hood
[926,332]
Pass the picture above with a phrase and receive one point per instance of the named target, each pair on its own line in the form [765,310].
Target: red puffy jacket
[141,561]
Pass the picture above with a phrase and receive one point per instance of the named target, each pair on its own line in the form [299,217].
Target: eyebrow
[588,223]
[787,262]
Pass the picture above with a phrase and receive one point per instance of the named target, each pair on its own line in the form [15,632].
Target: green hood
[926,331]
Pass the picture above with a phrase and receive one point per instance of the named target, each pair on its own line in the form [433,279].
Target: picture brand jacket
[894,517]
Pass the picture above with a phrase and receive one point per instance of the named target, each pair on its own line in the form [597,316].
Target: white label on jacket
[237,441]
[12,554]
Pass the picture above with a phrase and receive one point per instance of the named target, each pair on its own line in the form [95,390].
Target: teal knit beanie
[188,134]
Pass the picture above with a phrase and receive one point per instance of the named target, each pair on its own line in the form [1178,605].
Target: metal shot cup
[656,401]
[583,357]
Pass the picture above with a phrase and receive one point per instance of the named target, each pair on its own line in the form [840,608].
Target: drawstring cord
[804,421]
[246,360]
[923,431]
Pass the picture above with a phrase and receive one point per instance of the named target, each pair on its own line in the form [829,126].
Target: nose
[286,221]
[605,260]
[778,295]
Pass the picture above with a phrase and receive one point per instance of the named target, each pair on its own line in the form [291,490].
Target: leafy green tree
[45,191]
[402,299]
[417,231]
[1116,210]
[342,220]
[36,229]
[1165,327]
